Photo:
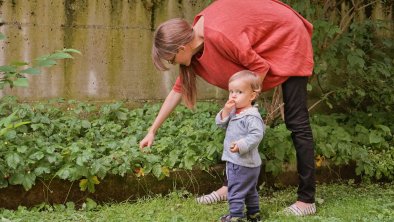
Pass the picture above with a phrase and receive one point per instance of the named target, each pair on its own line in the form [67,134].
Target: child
[244,131]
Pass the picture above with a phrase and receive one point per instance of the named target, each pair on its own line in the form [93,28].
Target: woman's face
[183,56]
[242,93]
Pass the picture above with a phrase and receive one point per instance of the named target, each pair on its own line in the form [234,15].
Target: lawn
[344,201]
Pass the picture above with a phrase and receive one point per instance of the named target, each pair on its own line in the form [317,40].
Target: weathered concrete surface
[118,189]
[114,36]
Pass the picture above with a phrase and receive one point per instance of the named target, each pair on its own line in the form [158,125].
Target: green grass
[336,202]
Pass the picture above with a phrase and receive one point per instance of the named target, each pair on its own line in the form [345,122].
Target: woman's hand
[168,106]
[147,141]
[230,104]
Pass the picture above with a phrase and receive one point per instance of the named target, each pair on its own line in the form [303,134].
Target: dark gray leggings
[242,189]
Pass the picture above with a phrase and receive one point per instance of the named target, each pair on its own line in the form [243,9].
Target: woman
[263,36]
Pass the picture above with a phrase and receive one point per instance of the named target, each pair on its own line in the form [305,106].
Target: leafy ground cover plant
[336,202]
[80,141]
[15,75]
[83,142]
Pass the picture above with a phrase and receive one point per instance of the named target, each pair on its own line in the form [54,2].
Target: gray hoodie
[246,129]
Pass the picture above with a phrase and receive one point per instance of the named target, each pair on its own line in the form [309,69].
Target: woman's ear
[182,48]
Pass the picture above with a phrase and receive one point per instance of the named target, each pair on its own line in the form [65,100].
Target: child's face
[241,93]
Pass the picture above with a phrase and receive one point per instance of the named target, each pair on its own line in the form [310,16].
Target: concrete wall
[114,37]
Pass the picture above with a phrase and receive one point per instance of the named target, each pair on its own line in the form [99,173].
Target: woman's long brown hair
[168,37]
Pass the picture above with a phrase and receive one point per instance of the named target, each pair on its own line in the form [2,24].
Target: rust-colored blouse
[264,36]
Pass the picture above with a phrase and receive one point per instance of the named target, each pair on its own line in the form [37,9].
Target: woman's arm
[168,106]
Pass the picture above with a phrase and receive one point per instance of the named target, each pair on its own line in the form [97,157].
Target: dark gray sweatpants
[242,188]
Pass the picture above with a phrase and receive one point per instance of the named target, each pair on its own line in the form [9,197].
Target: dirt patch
[116,188]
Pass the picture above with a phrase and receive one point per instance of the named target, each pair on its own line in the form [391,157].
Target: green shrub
[84,142]
[353,56]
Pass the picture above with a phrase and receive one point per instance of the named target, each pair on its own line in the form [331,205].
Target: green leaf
[83,184]
[7,68]
[46,63]
[51,159]
[86,124]
[2,36]
[274,167]
[81,159]
[50,150]
[26,180]
[71,50]
[280,151]
[121,115]
[13,159]
[189,161]
[16,179]
[21,82]
[70,206]
[309,87]
[16,125]
[90,204]
[37,155]
[21,149]
[3,183]
[374,137]
[19,63]
[64,173]
[41,170]
[6,121]
[60,55]
[156,170]
[385,129]
[10,134]
[355,60]
[32,71]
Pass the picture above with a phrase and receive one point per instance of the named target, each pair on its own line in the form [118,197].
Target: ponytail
[189,89]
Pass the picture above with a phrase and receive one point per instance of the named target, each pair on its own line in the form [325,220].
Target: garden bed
[69,151]
[114,188]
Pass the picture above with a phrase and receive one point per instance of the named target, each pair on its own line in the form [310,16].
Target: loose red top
[264,36]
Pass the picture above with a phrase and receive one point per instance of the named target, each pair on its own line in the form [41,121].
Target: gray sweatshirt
[246,129]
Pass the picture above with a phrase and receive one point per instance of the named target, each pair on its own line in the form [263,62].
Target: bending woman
[263,36]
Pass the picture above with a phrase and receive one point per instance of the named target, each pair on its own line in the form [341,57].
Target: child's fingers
[234,147]
[231,101]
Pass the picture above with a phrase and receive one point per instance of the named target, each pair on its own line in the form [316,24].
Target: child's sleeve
[222,123]
[256,128]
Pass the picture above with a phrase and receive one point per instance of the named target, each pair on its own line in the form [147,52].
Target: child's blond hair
[249,77]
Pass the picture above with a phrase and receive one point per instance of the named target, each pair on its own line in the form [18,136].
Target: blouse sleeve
[178,85]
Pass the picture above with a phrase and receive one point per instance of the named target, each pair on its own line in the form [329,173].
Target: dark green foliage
[73,140]
[80,141]
[353,56]
[360,69]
